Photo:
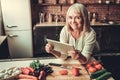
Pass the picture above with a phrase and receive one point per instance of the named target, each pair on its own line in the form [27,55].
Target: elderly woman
[78,33]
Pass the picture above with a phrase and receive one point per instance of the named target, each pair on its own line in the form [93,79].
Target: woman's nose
[73,20]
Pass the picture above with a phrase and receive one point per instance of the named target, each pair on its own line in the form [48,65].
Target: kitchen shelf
[66,4]
[51,4]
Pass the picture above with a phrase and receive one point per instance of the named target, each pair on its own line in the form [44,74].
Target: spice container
[70,1]
[117,1]
[40,1]
[42,17]
[99,1]
[62,1]
[49,18]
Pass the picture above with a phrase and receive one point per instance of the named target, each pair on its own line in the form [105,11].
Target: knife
[60,65]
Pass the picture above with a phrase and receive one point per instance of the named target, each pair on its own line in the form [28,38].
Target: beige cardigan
[85,43]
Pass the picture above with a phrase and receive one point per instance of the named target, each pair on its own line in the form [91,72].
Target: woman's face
[75,20]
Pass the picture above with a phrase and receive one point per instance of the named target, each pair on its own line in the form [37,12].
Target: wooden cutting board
[56,76]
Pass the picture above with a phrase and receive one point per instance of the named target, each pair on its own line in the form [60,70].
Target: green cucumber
[104,76]
[97,73]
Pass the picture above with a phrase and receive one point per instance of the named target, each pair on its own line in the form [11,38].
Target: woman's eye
[70,17]
[78,17]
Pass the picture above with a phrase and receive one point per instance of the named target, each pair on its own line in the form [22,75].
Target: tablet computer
[61,47]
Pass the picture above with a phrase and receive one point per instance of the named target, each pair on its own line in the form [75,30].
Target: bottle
[94,18]
[70,1]
[99,1]
[40,1]
[41,16]
[117,1]
[49,18]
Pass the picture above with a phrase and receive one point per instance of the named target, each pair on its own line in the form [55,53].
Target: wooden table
[24,62]
[55,75]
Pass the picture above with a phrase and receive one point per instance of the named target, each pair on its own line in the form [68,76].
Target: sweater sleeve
[89,43]
[63,39]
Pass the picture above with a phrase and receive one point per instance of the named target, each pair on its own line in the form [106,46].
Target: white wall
[0,20]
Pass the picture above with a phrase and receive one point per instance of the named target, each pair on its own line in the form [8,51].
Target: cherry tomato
[75,71]
[98,66]
[95,62]
[89,65]
[63,72]
[92,69]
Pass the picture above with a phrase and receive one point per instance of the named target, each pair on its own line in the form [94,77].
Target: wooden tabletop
[55,75]
[84,75]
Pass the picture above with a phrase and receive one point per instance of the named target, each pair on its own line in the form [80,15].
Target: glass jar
[117,1]
[70,1]
[40,1]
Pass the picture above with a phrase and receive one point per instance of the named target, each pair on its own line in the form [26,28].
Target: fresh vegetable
[25,70]
[93,66]
[30,69]
[98,66]
[42,75]
[92,69]
[35,64]
[104,76]
[63,72]
[26,77]
[88,65]
[75,71]
[97,73]
[95,62]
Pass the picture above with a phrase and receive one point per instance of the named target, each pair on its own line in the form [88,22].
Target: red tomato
[98,66]
[25,71]
[92,69]
[30,69]
[89,65]
[75,71]
[63,72]
[95,62]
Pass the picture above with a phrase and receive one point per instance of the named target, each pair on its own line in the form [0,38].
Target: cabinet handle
[11,36]
[11,26]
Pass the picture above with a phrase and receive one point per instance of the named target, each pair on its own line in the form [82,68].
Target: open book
[61,47]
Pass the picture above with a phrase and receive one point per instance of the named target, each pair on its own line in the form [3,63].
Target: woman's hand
[49,48]
[75,54]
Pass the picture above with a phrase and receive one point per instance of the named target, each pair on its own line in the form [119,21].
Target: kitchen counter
[24,62]
[46,24]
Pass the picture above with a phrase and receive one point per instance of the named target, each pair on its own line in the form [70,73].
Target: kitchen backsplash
[103,9]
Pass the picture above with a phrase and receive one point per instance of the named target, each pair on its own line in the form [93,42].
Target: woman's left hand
[75,54]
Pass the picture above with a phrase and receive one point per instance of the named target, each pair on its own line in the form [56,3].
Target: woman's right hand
[49,48]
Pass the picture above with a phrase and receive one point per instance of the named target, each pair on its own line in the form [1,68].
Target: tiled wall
[102,10]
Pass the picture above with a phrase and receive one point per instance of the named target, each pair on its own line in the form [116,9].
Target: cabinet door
[40,35]
[20,44]
[110,39]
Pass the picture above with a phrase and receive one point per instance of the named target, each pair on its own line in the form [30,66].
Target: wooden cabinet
[40,35]
[107,37]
